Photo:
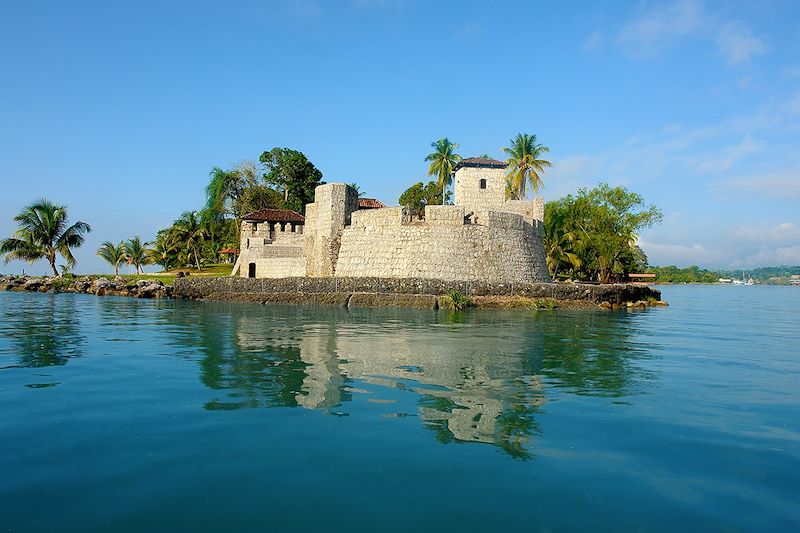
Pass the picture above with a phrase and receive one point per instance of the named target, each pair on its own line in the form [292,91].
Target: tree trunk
[51,258]
[197,261]
[116,269]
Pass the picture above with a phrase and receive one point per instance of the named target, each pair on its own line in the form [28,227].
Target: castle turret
[480,183]
[325,221]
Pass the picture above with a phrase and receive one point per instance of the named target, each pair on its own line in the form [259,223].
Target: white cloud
[659,253]
[784,233]
[594,41]
[738,43]
[666,25]
[661,26]
[776,184]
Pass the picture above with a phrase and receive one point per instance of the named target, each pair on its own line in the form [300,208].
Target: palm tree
[525,164]
[43,232]
[558,250]
[163,250]
[136,253]
[443,160]
[111,254]
[192,232]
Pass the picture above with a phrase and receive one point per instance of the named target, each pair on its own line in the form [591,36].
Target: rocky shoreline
[96,285]
[352,292]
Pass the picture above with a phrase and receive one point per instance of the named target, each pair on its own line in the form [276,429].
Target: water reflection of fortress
[482,386]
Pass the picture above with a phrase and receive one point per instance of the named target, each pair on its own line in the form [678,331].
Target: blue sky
[119,110]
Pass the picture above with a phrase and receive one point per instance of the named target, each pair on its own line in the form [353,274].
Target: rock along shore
[99,286]
[414,292]
[352,292]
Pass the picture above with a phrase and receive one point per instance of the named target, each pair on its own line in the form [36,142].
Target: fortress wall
[530,210]
[444,215]
[439,250]
[386,216]
[291,264]
[499,219]
[283,234]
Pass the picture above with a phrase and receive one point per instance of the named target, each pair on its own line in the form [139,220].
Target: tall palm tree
[43,232]
[136,253]
[525,164]
[443,160]
[111,254]
[192,232]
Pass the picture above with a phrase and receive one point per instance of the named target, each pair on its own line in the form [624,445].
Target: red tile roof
[370,203]
[484,162]
[229,251]
[275,215]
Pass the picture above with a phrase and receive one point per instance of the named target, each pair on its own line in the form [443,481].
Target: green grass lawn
[168,277]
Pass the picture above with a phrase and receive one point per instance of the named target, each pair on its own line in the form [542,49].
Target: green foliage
[545,303]
[773,274]
[294,174]
[44,233]
[112,254]
[454,301]
[136,253]
[525,165]
[418,196]
[236,192]
[443,160]
[600,227]
[191,233]
[692,274]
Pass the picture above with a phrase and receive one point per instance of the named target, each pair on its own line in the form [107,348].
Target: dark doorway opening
[251,270]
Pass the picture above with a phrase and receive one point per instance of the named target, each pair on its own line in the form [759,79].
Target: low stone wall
[339,290]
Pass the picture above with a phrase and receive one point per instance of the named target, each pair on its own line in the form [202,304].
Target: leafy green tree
[136,253]
[525,165]
[257,197]
[443,160]
[43,233]
[191,232]
[112,254]
[292,173]
[416,197]
[605,222]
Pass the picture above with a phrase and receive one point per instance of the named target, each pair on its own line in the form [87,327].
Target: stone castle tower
[480,183]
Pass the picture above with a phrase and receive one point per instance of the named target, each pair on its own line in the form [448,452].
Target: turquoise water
[138,415]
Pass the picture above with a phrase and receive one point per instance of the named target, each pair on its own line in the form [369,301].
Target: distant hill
[779,275]
[773,274]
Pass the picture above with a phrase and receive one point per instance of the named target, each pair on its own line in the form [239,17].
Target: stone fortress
[482,237]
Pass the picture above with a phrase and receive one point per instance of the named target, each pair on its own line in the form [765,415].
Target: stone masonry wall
[244,289]
[385,243]
[326,218]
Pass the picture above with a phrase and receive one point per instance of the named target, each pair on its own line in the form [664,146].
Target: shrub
[454,301]
[545,303]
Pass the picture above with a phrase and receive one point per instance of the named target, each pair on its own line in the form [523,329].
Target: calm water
[145,415]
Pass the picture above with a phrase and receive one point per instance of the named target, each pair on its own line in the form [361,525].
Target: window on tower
[483,184]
